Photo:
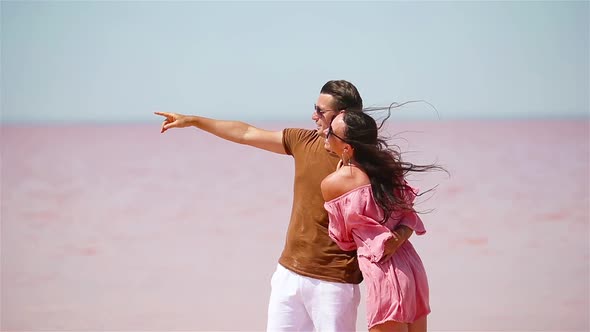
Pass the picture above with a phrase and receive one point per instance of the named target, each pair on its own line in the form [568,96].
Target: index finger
[167,115]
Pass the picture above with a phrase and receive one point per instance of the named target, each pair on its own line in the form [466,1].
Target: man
[315,285]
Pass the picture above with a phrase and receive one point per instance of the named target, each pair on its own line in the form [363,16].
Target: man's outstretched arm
[234,131]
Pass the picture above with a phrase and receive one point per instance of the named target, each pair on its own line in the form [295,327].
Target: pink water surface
[122,228]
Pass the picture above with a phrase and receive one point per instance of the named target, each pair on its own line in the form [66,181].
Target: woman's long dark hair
[383,164]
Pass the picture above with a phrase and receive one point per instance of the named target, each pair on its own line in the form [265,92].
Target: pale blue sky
[119,61]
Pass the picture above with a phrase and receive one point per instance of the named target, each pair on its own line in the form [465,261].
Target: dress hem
[370,326]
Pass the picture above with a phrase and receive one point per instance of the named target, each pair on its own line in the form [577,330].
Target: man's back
[309,251]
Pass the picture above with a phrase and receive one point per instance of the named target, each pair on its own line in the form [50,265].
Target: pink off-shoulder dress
[396,289]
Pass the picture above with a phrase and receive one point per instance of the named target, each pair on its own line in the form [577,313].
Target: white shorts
[299,303]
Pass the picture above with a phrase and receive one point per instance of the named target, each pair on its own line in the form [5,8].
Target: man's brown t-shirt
[309,250]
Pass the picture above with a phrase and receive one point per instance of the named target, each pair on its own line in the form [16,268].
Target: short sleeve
[294,136]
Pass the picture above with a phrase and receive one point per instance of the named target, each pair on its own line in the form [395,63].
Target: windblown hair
[382,163]
[346,95]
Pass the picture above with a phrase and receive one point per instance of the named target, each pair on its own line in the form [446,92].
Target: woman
[366,198]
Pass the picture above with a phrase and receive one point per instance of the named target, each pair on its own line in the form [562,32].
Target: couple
[352,211]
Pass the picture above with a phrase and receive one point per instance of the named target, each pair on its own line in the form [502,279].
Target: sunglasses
[320,112]
[331,133]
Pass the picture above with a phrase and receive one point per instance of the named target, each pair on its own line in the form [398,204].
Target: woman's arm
[400,234]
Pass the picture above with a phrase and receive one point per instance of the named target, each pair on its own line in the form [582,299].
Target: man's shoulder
[300,132]
[292,136]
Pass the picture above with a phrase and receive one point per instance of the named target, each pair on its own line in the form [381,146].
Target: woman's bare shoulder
[342,181]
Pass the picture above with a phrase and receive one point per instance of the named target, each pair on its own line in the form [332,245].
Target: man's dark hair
[346,96]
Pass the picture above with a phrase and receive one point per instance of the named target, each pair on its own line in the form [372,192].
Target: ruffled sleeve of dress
[337,227]
[371,235]
[354,223]
[410,218]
